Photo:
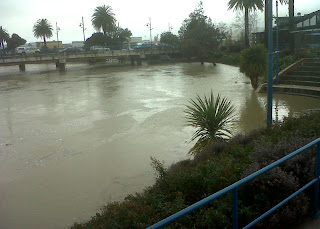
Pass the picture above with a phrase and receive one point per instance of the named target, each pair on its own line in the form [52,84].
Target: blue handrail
[235,186]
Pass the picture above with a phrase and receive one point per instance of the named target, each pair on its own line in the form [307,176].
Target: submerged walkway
[301,78]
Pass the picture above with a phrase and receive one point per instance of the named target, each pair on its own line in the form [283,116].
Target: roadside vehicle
[146,46]
[70,50]
[99,48]
[26,50]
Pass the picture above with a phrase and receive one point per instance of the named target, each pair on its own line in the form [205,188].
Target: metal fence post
[270,66]
[235,208]
[316,185]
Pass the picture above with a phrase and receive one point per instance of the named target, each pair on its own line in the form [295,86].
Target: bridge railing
[235,186]
[38,58]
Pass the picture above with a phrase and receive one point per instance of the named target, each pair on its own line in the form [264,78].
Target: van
[26,50]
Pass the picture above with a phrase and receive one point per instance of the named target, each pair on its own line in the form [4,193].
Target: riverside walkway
[301,78]
[60,59]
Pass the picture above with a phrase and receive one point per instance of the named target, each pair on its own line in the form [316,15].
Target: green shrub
[268,190]
[311,52]
[218,166]
[230,59]
[285,62]
[253,63]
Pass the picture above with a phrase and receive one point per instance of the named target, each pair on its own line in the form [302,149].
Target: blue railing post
[235,187]
[270,66]
[235,208]
[316,185]
[277,46]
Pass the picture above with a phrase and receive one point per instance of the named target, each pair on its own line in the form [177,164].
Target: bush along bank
[220,165]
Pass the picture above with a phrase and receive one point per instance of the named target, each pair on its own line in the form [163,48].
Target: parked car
[70,50]
[146,46]
[99,48]
[26,50]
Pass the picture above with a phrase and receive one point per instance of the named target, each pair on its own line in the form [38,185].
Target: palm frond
[211,118]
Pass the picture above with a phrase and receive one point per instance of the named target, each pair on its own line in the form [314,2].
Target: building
[134,41]
[50,44]
[306,31]
[77,44]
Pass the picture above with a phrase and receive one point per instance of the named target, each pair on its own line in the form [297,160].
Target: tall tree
[169,38]
[199,36]
[239,26]
[115,38]
[42,28]
[4,36]
[15,41]
[103,18]
[246,5]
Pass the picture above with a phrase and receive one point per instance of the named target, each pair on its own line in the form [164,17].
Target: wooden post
[139,62]
[62,65]
[22,67]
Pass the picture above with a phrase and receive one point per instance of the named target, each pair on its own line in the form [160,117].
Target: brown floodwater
[72,142]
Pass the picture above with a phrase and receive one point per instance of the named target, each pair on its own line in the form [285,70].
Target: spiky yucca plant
[212,118]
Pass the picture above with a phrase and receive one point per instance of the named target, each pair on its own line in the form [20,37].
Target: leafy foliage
[189,181]
[4,36]
[211,117]
[42,28]
[112,35]
[199,36]
[253,62]
[15,41]
[169,38]
[246,5]
[113,39]
[103,18]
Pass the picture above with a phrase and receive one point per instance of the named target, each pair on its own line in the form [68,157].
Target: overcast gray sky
[19,16]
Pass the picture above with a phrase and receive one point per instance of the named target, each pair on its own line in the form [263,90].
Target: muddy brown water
[72,142]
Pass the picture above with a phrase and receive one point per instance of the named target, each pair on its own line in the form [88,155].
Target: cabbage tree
[212,117]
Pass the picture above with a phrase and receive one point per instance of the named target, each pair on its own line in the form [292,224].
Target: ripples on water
[70,142]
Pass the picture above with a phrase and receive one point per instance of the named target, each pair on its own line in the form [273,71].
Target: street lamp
[149,25]
[83,29]
[57,31]
[170,27]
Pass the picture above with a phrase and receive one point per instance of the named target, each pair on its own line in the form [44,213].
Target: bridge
[60,59]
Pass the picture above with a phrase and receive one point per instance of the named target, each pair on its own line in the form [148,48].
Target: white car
[99,48]
[27,50]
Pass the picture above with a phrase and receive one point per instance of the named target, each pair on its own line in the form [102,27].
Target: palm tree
[103,18]
[4,36]
[42,28]
[247,5]
[212,118]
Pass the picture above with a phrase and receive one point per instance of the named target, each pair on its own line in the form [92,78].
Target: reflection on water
[71,142]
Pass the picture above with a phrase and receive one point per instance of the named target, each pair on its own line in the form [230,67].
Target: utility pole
[57,31]
[150,27]
[291,25]
[83,29]
[170,27]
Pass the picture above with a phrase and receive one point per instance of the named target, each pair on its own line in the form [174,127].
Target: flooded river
[71,142]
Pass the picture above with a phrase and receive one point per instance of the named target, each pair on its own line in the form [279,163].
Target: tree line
[198,35]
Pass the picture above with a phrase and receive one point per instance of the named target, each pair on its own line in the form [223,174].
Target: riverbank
[77,140]
[222,164]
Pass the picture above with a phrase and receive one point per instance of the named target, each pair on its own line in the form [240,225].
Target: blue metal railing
[235,186]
